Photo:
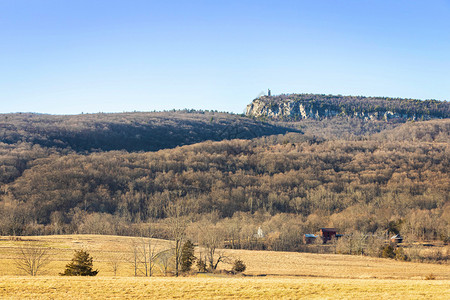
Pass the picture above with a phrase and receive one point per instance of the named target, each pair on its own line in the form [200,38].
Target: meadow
[287,275]
[44,287]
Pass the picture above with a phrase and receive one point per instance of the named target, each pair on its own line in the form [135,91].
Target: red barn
[327,234]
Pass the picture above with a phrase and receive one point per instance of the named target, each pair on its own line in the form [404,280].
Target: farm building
[309,238]
[396,239]
[327,234]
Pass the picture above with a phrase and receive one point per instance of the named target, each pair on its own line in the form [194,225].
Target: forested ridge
[289,184]
[138,131]
[293,107]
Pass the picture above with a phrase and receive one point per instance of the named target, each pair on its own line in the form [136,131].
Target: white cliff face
[303,112]
[296,110]
[289,109]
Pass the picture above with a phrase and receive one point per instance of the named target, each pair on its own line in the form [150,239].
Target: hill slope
[353,185]
[57,175]
[129,131]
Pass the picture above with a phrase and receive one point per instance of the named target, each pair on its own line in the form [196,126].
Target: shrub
[400,254]
[239,266]
[387,251]
[81,265]
[201,265]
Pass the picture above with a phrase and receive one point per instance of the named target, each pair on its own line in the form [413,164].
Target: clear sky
[68,57]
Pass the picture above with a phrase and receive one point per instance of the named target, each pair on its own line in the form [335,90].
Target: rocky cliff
[312,106]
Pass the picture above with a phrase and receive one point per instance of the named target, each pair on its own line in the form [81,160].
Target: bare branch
[32,258]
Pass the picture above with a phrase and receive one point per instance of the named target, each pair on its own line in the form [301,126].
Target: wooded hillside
[364,185]
[137,131]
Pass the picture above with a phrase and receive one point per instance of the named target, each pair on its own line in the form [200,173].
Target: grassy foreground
[218,288]
[103,247]
[287,275]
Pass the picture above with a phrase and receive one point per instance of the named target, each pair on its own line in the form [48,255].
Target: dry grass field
[281,275]
[218,288]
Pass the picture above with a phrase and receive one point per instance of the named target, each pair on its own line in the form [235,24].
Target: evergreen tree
[239,266]
[187,256]
[81,265]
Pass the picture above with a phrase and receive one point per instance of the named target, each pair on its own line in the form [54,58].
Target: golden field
[218,288]
[286,275]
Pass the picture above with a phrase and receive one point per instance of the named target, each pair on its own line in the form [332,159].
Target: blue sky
[68,57]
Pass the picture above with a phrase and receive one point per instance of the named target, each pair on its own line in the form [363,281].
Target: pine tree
[239,266]
[187,256]
[81,265]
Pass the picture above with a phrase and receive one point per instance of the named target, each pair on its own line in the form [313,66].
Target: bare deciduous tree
[177,221]
[114,259]
[147,254]
[144,252]
[135,256]
[211,237]
[165,260]
[32,258]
